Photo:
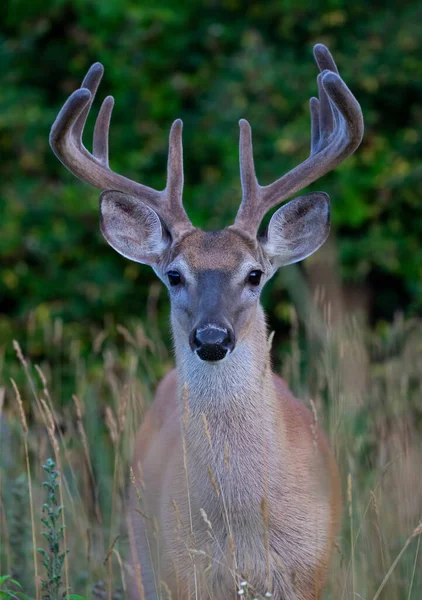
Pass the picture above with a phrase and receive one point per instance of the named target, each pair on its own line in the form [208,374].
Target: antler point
[97,66]
[330,78]
[320,52]
[81,93]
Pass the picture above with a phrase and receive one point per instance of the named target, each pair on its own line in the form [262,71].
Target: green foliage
[210,64]
[53,559]
[10,594]
[7,594]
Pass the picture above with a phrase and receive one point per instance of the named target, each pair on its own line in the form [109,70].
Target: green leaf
[16,583]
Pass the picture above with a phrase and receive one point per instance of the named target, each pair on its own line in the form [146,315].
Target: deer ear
[132,228]
[298,229]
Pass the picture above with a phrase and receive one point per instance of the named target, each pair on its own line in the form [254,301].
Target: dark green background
[209,63]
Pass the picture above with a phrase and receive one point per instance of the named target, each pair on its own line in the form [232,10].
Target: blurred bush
[209,63]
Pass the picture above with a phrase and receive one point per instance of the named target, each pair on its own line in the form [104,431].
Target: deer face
[214,279]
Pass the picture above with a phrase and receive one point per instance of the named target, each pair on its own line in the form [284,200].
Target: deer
[234,483]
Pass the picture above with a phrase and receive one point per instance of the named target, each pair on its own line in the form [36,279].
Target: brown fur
[238,480]
[224,249]
[287,552]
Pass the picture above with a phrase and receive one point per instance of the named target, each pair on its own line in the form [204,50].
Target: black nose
[212,342]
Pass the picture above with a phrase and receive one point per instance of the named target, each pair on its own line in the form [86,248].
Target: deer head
[214,278]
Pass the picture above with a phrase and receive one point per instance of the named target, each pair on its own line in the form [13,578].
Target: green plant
[53,559]
[8,594]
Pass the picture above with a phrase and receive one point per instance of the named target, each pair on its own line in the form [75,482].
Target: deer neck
[228,414]
[233,384]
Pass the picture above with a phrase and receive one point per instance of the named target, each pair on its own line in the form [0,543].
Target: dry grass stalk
[110,550]
[350,504]
[127,335]
[111,425]
[206,428]
[178,517]
[19,354]
[42,377]
[205,518]
[185,468]
[166,590]
[265,519]
[85,446]
[122,569]
[314,426]
[116,430]
[270,342]
[415,562]
[28,472]
[52,425]
[378,526]
[226,456]
[415,533]
[21,409]
[213,481]
[135,482]
[82,433]
[99,340]
[185,405]
[139,584]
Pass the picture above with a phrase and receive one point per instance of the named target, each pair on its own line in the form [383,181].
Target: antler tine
[324,59]
[314,108]
[90,82]
[66,143]
[336,132]
[247,167]
[101,131]
[174,186]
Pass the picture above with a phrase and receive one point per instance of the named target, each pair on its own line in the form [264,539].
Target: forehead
[223,250]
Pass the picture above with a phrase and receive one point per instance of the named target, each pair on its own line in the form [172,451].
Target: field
[81,408]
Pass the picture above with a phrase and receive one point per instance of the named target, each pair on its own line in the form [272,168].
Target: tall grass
[82,402]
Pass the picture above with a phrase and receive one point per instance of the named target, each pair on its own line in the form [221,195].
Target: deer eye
[254,277]
[174,278]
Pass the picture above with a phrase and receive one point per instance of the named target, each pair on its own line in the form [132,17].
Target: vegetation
[365,389]
[53,558]
[92,328]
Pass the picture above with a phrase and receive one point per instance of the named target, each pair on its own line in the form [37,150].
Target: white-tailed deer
[237,480]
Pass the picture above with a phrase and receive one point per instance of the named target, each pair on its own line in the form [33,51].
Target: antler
[336,132]
[66,142]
